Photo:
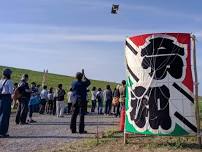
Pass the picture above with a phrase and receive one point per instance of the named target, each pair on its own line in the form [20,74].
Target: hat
[7,72]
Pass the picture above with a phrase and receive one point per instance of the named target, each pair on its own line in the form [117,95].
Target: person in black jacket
[60,105]
[25,92]
[79,88]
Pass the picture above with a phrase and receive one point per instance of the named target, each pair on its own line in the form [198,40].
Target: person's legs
[54,106]
[46,107]
[101,106]
[24,112]
[5,110]
[75,112]
[57,108]
[51,107]
[110,107]
[118,110]
[81,124]
[30,112]
[86,107]
[98,108]
[41,110]
[69,107]
[18,112]
[92,106]
[106,106]
[62,106]
[114,109]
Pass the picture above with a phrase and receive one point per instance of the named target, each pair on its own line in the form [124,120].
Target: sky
[65,36]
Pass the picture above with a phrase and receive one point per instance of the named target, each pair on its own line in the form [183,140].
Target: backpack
[16,95]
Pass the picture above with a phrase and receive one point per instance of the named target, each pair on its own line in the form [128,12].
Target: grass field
[113,141]
[52,79]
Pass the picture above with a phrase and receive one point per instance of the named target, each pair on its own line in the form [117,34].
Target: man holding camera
[79,92]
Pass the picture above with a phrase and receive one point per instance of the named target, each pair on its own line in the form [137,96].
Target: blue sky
[65,36]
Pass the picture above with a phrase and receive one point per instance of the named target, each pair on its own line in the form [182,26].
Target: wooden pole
[97,131]
[124,137]
[196,92]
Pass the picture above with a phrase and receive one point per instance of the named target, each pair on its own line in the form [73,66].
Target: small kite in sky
[115,9]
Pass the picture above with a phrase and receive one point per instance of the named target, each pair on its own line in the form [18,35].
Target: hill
[52,79]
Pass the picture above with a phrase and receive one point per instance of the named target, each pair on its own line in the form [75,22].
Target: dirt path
[50,132]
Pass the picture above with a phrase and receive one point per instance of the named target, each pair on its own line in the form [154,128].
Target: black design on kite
[183,92]
[153,105]
[131,48]
[163,56]
[133,74]
[185,121]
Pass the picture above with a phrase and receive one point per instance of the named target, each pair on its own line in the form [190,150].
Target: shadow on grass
[68,123]
[76,136]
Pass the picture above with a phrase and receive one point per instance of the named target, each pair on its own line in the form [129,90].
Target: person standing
[69,101]
[122,92]
[108,99]
[93,99]
[14,102]
[44,99]
[99,97]
[60,104]
[6,90]
[50,101]
[54,101]
[32,102]
[25,92]
[79,88]
[116,105]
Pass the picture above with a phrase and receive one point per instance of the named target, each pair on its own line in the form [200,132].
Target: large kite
[160,84]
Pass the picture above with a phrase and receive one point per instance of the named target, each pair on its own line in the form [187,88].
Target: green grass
[52,79]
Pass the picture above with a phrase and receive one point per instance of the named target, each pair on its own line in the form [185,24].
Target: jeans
[5,111]
[77,109]
[100,104]
[93,105]
[69,108]
[60,108]
[31,109]
[108,106]
[42,106]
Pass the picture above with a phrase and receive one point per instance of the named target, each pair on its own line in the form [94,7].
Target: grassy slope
[53,79]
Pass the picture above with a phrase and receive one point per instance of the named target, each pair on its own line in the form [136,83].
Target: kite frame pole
[196,92]
[124,137]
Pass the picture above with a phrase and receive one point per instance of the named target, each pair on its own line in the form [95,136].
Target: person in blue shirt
[79,92]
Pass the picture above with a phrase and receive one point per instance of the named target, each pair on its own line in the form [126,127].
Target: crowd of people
[33,98]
